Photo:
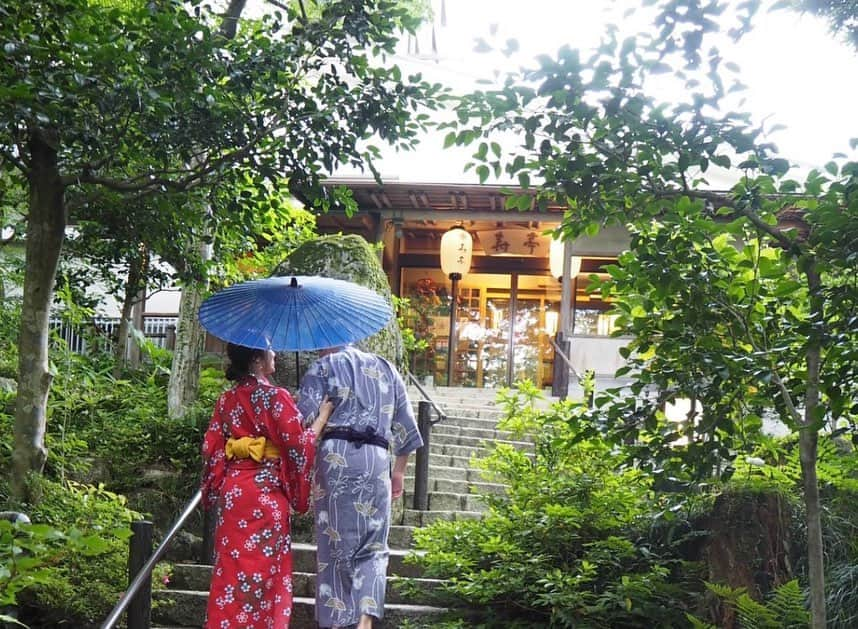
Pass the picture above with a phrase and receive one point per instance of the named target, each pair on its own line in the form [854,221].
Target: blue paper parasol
[294,314]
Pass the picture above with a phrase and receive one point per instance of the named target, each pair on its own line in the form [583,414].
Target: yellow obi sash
[256,448]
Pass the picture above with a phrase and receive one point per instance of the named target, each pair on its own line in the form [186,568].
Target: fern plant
[784,609]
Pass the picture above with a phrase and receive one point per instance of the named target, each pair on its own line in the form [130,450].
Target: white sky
[798,75]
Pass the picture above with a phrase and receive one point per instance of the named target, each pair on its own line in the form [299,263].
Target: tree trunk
[45,233]
[138,323]
[134,291]
[137,312]
[807,444]
[120,350]
[185,371]
[190,337]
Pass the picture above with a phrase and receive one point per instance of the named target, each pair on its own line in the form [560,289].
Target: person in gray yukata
[354,483]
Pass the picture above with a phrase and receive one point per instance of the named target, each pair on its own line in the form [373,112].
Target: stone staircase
[453,485]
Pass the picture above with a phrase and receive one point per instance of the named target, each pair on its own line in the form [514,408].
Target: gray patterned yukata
[352,483]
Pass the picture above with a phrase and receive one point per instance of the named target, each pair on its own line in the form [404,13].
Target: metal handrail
[438,411]
[424,425]
[146,571]
[560,352]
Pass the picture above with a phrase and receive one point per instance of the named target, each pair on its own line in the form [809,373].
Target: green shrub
[10,318]
[26,551]
[840,533]
[33,559]
[82,586]
[567,544]
[841,584]
[784,609]
[123,424]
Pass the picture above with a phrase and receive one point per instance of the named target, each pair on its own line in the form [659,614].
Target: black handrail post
[144,574]
[140,607]
[209,522]
[421,462]
[560,380]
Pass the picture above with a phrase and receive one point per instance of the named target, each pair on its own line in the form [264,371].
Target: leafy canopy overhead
[724,291]
[841,15]
[153,97]
[742,299]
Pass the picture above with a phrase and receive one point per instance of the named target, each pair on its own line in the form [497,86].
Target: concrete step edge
[390,577]
[472,483]
[478,442]
[475,514]
[305,600]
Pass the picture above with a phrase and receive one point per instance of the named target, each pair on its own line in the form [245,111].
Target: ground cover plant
[572,543]
[583,539]
[109,437]
[84,579]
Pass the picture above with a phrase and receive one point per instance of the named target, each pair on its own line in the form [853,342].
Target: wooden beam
[499,264]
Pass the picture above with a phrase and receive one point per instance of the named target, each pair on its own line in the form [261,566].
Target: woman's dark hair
[240,358]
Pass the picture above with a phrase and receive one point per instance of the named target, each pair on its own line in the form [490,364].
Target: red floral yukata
[251,585]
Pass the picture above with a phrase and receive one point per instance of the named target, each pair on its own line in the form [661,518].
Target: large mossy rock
[341,257]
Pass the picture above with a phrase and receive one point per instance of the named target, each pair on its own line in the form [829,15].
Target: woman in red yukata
[258,460]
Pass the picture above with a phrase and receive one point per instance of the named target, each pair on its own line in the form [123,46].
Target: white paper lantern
[456,248]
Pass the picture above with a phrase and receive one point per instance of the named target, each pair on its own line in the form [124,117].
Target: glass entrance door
[530,341]
[504,326]
[496,335]
[535,319]
[519,322]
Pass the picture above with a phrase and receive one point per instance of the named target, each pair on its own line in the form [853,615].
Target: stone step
[304,556]
[467,451]
[482,399]
[304,552]
[454,401]
[438,471]
[460,487]
[469,422]
[412,517]
[182,608]
[399,537]
[477,412]
[450,501]
[458,408]
[445,501]
[304,560]
[451,394]
[439,459]
[441,438]
[197,577]
[487,434]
